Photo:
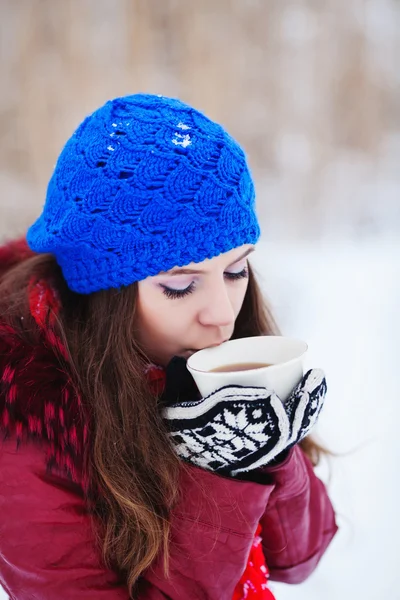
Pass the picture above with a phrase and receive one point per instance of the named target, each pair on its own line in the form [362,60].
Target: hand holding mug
[237,428]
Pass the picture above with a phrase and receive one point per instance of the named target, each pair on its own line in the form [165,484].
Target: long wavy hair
[131,457]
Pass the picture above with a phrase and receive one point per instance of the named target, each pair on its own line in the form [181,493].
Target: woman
[114,480]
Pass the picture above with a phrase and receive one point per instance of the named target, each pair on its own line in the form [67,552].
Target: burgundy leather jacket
[46,543]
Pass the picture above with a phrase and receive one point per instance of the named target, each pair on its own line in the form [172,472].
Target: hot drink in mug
[274,362]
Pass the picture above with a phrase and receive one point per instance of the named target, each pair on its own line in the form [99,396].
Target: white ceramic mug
[285,355]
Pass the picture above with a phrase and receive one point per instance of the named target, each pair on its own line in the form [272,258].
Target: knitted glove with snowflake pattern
[238,429]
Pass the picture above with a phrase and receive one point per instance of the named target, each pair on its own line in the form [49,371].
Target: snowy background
[344,298]
[312,91]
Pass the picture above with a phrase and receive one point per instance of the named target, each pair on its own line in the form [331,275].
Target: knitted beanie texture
[146,183]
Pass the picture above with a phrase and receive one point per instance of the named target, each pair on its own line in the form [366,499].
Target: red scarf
[253,584]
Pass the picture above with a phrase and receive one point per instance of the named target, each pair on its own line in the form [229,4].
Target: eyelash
[172,294]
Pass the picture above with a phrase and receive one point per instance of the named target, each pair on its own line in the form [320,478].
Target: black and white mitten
[238,429]
[304,405]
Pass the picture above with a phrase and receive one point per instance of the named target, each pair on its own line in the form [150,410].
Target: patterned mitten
[237,429]
[304,405]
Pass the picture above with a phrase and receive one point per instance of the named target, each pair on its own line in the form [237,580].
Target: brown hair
[131,458]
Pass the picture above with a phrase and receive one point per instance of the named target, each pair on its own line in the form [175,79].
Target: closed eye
[172,293]
[241,275]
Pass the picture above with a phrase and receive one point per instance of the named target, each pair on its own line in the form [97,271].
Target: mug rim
[274,366]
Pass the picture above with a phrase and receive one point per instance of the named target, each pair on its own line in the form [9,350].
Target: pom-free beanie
[146,183]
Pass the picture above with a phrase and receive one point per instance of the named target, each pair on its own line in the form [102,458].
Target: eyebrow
[184,271]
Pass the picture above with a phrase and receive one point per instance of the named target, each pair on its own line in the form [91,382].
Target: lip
[210,346]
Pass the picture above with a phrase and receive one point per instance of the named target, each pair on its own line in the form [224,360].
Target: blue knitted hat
[146,183]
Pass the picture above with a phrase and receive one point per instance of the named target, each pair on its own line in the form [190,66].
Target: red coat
[46,545]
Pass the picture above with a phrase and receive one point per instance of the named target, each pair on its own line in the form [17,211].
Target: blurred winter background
[311,90]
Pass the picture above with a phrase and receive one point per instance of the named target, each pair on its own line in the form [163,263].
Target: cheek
[238,294]
[158,317]
[149,312]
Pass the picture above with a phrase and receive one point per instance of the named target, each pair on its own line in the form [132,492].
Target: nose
[217,309]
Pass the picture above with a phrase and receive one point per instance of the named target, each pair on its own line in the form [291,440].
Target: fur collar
[38,400]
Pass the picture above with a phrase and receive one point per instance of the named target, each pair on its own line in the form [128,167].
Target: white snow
[343,298]
[181,140]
